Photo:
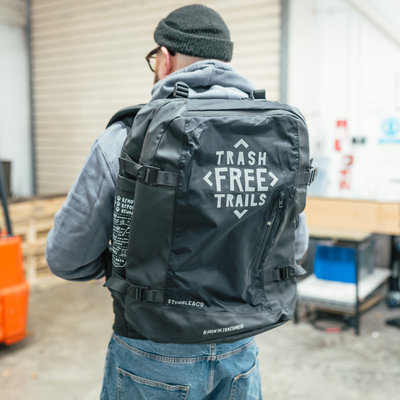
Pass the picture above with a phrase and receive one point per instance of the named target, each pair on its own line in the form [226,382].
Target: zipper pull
[278,207]
[280,199]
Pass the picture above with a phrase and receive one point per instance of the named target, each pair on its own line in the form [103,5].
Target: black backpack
[205,212]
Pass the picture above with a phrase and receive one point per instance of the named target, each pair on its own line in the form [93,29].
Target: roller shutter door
[88,62]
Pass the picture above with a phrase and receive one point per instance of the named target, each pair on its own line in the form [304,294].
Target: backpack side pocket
[122,217]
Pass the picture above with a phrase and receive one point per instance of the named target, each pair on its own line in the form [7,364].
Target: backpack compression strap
[140,293]
[279,274]
[147,174]
[118,285]
[306,177]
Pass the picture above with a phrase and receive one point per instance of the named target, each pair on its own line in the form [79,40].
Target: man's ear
[167,67]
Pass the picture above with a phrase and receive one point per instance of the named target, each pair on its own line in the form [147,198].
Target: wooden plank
[32,219]
[375,299]
[23,211]
[371,302]
[337,234]
[343,294]
[42,269]
[365,216]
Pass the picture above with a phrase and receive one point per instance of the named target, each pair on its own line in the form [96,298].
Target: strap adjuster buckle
[181,89]
[137,292]
[285,273]
[313,175]
[148,175]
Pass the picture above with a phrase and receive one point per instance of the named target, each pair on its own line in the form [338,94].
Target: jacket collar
[209,79]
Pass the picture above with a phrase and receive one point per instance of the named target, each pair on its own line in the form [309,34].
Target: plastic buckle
[285,273]
[137,292]
[181,89]
[313,175]
[148,175]
[258,94]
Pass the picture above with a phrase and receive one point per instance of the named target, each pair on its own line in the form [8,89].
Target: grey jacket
[83,227]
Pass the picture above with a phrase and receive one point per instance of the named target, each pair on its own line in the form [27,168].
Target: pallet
[32,219]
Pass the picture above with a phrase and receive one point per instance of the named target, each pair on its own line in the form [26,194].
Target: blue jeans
[141,369]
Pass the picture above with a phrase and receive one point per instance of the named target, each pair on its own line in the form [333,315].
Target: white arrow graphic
[240,214]
[209,173]
[275,179]
[241,142]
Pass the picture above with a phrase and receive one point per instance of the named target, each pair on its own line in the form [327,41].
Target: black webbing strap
[154,176]
[135,292]
[128,167]
[118,284]
[147,174]
[142,293]
[279,274]
[118,287]
[306,177]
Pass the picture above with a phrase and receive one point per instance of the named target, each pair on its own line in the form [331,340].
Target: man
[194,47]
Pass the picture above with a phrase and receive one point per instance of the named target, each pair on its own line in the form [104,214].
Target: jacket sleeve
[301,237]
[77,244]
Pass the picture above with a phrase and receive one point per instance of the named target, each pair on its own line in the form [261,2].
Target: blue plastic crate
[335,263]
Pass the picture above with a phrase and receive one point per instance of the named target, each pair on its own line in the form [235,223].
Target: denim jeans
[141,369]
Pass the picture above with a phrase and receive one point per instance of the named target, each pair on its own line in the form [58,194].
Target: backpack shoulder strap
[126,115]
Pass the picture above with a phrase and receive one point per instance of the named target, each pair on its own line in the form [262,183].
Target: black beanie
[195,30]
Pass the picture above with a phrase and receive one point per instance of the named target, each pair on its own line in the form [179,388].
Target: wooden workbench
[353,215]
[351,220]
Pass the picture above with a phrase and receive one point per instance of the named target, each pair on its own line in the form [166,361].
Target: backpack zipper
[270,225]
[245,112]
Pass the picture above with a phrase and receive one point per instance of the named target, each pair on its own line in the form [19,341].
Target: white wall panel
[15,123]
[345,67]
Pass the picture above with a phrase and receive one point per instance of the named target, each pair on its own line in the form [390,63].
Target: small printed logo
[223,330]
[190,303]
[391,126]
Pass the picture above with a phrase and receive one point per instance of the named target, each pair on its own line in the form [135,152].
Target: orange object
[14,291]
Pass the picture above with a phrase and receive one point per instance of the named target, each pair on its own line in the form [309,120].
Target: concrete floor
[69,327]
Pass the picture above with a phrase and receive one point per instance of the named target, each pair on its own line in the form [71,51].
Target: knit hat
[195,30]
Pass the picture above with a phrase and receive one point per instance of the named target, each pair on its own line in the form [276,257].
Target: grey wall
[15,125]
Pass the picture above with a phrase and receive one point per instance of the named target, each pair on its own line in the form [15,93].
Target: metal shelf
[338,295]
